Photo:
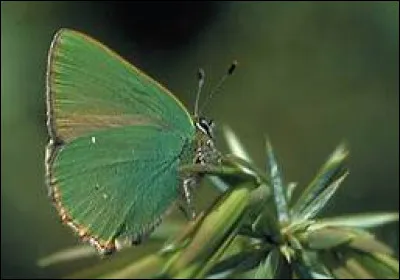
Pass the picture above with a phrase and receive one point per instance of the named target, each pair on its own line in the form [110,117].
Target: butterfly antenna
[228,73]
[200,78]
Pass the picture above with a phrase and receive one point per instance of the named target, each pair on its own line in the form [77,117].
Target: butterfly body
[117,142]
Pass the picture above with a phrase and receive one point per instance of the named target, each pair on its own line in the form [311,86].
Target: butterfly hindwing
[117,182]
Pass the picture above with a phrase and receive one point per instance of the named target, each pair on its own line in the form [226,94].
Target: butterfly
[117,141]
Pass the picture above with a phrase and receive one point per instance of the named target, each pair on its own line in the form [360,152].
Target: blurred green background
[310,75]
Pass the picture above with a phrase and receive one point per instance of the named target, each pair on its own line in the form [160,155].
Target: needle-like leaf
[277,183]
[320,201]
[330,171]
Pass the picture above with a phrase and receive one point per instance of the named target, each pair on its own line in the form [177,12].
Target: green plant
[256,229]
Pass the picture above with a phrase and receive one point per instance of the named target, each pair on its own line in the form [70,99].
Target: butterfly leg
[186,202]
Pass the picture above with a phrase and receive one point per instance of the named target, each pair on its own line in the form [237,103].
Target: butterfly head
[206,126]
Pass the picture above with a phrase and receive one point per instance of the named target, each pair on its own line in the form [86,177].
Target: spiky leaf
[277,183]
[320,201]
[330,171]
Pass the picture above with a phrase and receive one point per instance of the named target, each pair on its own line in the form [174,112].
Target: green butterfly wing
[117,139]
[118,181]
[90,87]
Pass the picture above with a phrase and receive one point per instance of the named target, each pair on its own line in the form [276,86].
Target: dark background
[310,75]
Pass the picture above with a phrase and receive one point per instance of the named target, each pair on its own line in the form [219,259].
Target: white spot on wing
[93,139]
[105,195]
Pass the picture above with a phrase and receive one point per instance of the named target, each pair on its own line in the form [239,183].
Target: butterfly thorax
[201,151]
[205,151]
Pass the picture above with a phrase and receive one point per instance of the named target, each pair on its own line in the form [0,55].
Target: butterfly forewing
[90,87]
